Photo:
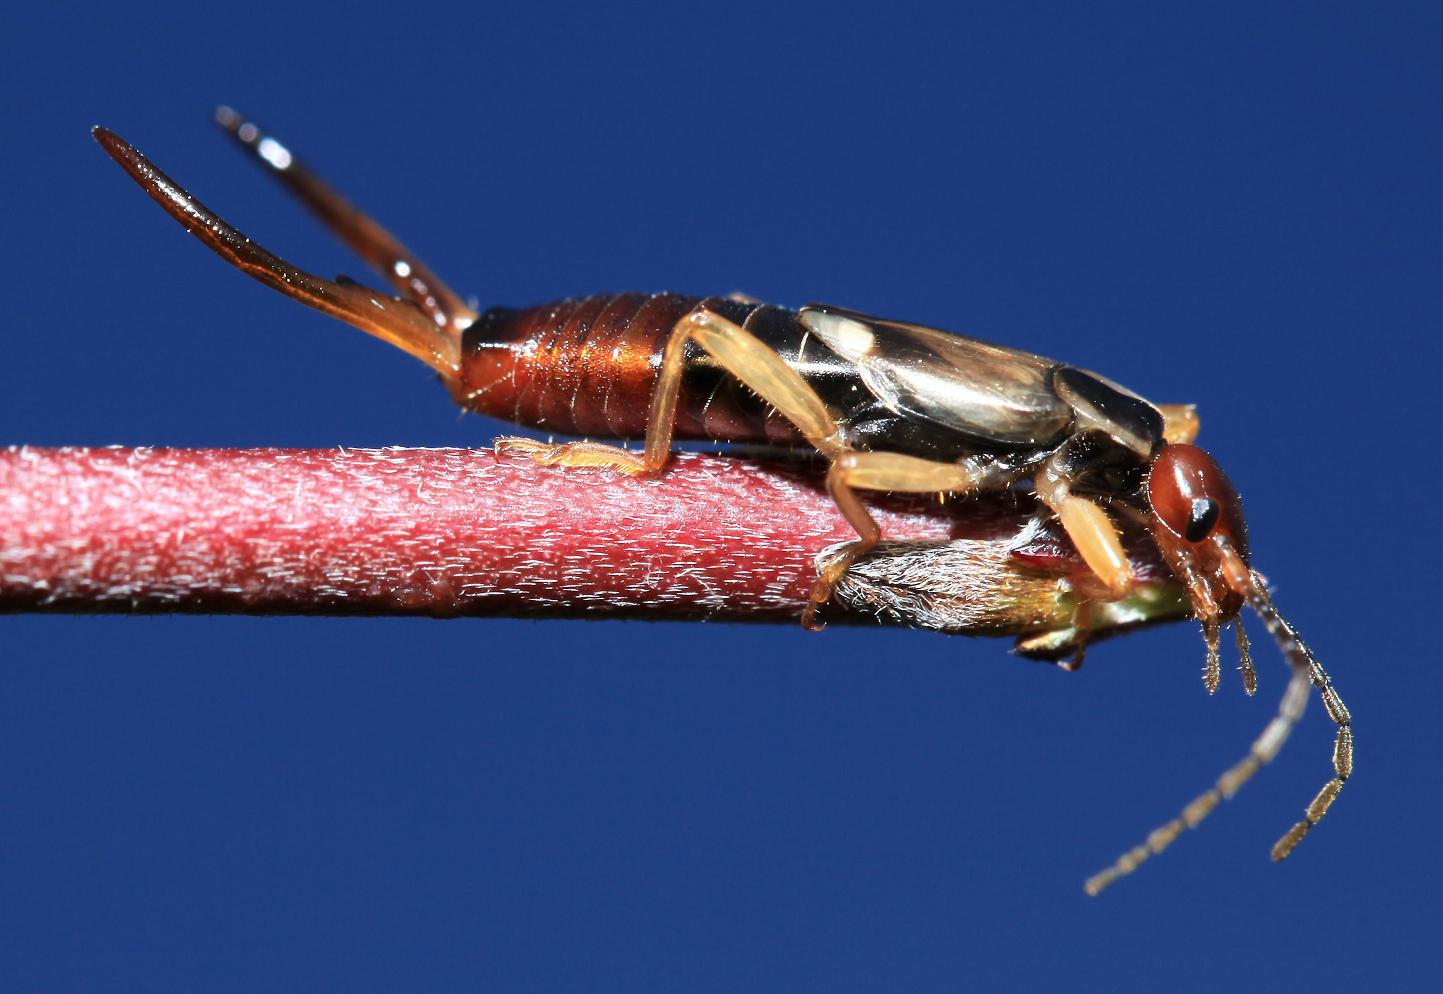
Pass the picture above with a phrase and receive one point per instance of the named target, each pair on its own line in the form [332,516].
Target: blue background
[1238,208]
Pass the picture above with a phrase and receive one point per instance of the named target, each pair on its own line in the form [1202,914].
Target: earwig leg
[759,367]
[1306,670]
[1092,532]
[1098,543]
[1094,535]
[378,247]
[1082,616]
[660,423]
[889,471]
[577,455]
[1180,423]
[399,322]
[866,526]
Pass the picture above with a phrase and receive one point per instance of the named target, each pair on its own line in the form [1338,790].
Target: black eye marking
[1201,519]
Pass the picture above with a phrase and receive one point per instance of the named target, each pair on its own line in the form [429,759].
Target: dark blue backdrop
[1239,209]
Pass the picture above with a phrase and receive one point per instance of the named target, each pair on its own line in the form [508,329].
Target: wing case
[989,392]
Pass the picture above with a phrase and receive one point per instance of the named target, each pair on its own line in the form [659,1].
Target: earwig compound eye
[1200,521]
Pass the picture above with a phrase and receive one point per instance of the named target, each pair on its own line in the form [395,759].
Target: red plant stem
[423,531]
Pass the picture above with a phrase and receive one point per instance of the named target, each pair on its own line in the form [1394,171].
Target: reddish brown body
[588,366]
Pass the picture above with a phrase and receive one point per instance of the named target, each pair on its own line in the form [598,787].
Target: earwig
[891,406]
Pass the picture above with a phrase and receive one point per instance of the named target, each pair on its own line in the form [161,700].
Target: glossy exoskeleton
[892,406]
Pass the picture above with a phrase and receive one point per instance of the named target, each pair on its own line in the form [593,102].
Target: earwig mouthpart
[1245,658]
[1306,670]
[1212,669]
[1235,571]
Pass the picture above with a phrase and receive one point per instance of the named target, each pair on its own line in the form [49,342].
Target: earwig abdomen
[588,366]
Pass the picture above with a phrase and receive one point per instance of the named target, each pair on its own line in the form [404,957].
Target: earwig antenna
[1301,658]
[1306,670]
[399,322]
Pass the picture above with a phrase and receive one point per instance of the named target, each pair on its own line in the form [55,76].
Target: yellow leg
[1097,541]
[889,471]
[1082,616]
[1092,532]
[579,455]
[1180,423]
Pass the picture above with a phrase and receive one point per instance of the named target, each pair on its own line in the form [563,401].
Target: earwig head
[1197,521]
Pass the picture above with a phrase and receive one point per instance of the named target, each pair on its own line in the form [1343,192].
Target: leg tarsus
[576,455]
[1082,624]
